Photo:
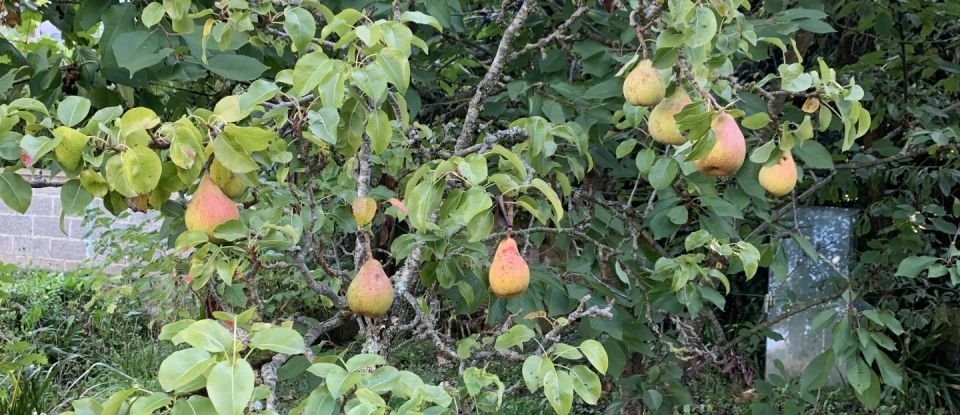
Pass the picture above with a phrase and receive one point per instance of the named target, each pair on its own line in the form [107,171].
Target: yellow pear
[728,152]
[779,179]
[209,208]
[509,273]
[364,209]
[644,85]
[370,293]
[231,185]
[662,125]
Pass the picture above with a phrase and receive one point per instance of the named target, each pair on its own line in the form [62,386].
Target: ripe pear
[779,179]
[662,125]
[209,208]
[644,85]
[370,293]
[364,209]
[509,273]
[727,154]
[231,185]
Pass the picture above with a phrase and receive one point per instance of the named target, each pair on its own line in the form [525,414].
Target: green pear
[370,293]
[644,85]
[661,123]
[779,179]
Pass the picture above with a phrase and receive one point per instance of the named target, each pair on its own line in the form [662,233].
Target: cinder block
[16,224]
[49,226]
[32,248]
[42,205]
[69,249]
[75,228]
[6,246]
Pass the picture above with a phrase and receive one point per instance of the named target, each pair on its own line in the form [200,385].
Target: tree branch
[493,75]
[557,34]
[268,372]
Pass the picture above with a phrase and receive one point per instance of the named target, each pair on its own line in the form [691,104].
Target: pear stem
[636,27]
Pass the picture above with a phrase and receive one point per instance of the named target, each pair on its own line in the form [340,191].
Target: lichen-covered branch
[268,372]
[557,34]
[493,75]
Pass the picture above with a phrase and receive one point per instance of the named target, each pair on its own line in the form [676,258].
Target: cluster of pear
[645,86]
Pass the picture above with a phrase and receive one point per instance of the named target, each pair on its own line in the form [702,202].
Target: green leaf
[364,360]
[72,110]
[652,398]
[196,405]
[645,160]
[278,339]
[761,155]
[551,195]
[301,26]
[756,121]
[566,351]
[395,66]
[139,50]
[15,191]
[379,131]
[230,386]
[814,155]
[141,168]
[749,256]
[138,119]
[702,29]
[512,158]
[323,124]
[182,367]
[678,215]
[663,173]
[74,199]
[37,147]
[473,168]
[69,152]
[696,239]
[236,67]
[206,335]
[817,371]
[116,401]
[258,92]
[858,374]
[596,354]
[625,148]
[911,267]
[309,70]
[805,129]
[420,18]
[146,405]
[822,318]
[152,14]
[531,372]
[890,322]
[558,388]
[234,148]
[891,373]
[586,384]
[516,336]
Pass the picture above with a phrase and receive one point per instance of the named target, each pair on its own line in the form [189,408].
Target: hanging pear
[209,208]
[509,273]
[779,179]
[644,85]
[662,125]
[728,153]
[364,209]
[371,292]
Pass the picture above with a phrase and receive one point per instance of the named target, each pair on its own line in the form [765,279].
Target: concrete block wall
[34,239]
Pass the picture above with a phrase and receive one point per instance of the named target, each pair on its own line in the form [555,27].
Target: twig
[268,372]
[557,34]
[783,210]
[322,289]
[493,75]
